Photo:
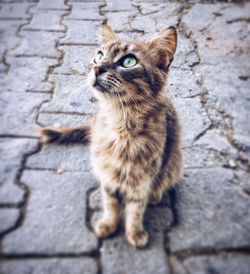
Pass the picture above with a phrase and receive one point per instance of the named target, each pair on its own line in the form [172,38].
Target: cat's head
[125,69]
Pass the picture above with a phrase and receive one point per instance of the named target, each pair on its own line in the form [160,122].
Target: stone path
[48,196]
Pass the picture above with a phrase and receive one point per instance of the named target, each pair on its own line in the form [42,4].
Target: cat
[135,135]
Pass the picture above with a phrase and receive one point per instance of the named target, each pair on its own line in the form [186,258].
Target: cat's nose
[99,70]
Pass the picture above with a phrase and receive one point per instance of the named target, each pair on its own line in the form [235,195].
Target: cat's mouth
[107,84]
[102,84]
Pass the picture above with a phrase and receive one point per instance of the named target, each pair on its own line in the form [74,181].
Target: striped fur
[135,142]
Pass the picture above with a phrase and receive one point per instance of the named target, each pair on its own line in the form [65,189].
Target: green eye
[129,62]
[98,57]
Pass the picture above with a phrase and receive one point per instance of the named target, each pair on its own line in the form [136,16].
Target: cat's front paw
[138,239]
[104,228]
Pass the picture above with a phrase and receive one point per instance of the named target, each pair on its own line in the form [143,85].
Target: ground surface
[48,196]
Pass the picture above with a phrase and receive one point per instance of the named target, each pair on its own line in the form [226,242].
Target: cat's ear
[105,34]
[163,46]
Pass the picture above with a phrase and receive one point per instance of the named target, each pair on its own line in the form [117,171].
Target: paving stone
[86,11]
[62,120]
[119,257]
[21,76]
[186,55]
[80,32]
[193,119]
[166,16]
[214,141]
[49,20]
[87,1]
[8,218]
[200,157]
[3,67]
[25,107]
[55,4]
[225,263]
[15,11]
[12,152]
[73,158]
[39,43]
[145,24]
[155,17]
[183,83]
[8,37]
[117,5]
[71,95]
[153,2]
[212,211]
[204,14]
[243,179]
[215,32]
[54,221]
[95,199]
[55,266]
[236,98]
[76,59]
[119,21]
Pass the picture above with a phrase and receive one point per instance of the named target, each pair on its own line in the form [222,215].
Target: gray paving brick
[86,11]
[55,4]
[185,55]
[200,157]
[15,11]
[8,36]
[234,99]
[55,266]
[183,83]
[21,76]
[213,140]
[81,32]
[225,263]
[76,59]
[12,152]
[8,218]
[118,5]
[73,158]
[120,20]
[38,43]
[71,95]
[155,17]
[193,119]
[25,107]
[212,211]
[48,20]
[54,220]
[62,120]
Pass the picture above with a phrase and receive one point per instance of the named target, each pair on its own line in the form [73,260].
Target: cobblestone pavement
[48,196]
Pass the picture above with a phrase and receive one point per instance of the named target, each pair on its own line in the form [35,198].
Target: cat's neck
[125,115]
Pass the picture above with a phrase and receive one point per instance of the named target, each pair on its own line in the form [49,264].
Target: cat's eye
[98,57]
[129,61]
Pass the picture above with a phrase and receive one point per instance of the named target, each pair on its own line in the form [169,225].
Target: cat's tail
[65,136]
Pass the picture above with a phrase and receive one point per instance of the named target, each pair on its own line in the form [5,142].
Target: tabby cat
[134,136]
